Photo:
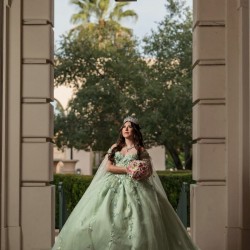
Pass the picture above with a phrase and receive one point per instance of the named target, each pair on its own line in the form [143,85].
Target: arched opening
[169,83]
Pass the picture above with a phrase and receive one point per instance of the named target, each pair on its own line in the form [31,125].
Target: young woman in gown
[119,213]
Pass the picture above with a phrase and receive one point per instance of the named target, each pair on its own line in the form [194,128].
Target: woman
[120,213]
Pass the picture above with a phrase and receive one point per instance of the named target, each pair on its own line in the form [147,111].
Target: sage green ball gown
[119,213]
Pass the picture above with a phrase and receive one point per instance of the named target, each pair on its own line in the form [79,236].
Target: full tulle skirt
[120,213]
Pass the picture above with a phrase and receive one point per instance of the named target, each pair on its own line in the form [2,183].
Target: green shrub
[172,183]
[75,185]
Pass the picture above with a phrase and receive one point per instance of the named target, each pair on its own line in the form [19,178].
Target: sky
[150,12]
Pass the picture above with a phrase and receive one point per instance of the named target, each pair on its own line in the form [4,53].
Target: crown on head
[131,119]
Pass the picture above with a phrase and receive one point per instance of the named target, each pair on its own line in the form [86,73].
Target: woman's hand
[116,170]
[140,169]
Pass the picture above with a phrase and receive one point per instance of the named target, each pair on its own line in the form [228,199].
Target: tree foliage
[170,46]
[98,14]
[112,79]
[105,90]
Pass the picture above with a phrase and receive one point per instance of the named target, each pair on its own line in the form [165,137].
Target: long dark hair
[138,141]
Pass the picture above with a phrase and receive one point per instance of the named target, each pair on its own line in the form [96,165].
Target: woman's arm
[115,170]
[144,156]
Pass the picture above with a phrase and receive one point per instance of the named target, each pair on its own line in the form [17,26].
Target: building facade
[220,200]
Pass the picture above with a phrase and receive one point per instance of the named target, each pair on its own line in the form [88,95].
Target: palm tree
[102,13]
[86,9]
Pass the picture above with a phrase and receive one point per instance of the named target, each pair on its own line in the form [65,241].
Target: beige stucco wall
[158,156]
[84,159]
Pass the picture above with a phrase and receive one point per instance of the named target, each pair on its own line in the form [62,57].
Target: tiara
[131,119]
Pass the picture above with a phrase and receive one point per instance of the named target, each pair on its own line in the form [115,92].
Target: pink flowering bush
[139,170]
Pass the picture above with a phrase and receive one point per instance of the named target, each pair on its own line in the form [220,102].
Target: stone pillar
[237,94]
[37,115]
[11,126]
[220,217]
[208,196]
[27,198]
[1,109]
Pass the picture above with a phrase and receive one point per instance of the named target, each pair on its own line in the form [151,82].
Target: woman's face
[127,130]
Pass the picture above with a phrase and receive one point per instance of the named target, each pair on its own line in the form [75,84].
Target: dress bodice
[124,160]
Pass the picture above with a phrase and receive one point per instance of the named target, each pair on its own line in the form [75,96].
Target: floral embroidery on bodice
[124,160]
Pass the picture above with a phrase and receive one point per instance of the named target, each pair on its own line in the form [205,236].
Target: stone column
[37,211]
[208,196]
[1,108]
[237,94]
[27,198]
[11,126]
